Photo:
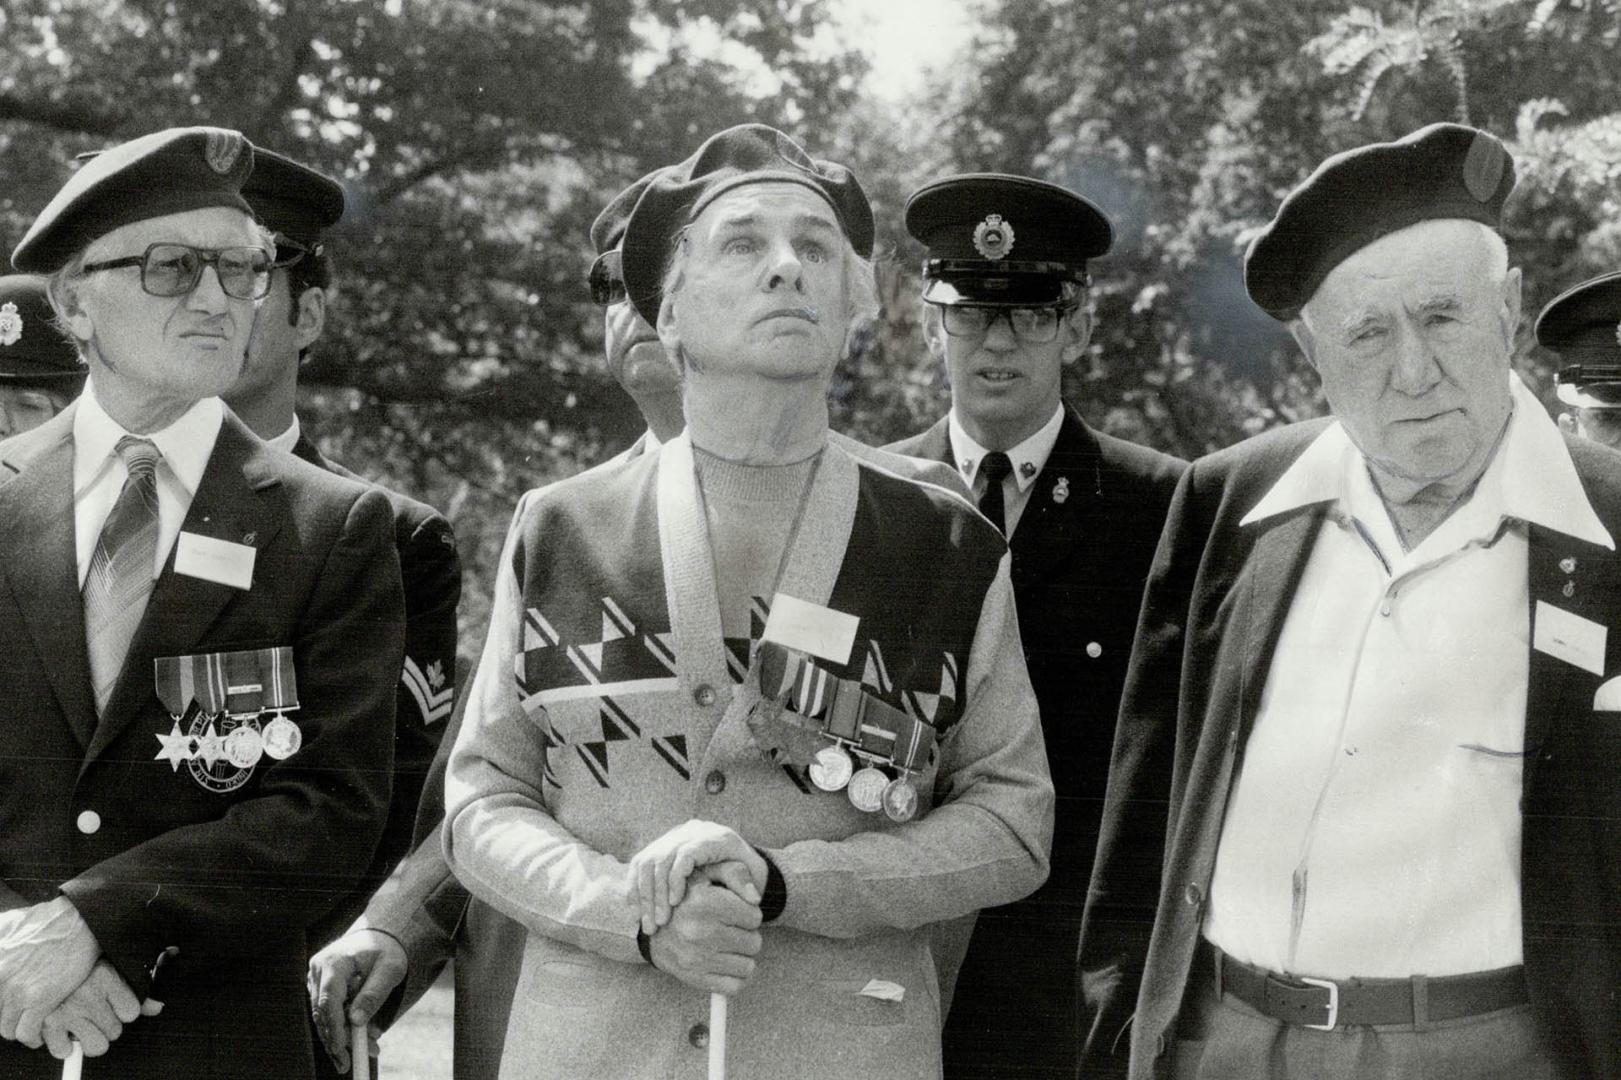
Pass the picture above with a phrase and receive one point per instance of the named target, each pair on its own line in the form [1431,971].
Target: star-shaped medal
[210,747]
[176,747]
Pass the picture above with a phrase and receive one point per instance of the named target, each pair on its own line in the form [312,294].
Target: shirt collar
[1028,458]
[185,444]
[287,439]
[652,442]
[1532,479]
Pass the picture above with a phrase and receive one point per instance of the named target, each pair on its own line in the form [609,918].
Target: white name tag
[1570,638]
[214,560]
[811,628]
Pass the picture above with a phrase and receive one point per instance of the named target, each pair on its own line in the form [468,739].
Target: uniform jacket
[606,712]
[431,573]
[1081,554]
[156,860]
[431,913]
[1215,605]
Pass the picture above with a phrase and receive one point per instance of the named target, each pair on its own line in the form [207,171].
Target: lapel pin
[1027,469]
[248,538]
[1568,564]
[1569,590]
[1061,490]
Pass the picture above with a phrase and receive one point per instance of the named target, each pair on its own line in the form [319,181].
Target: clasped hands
[54,986]
[699,888]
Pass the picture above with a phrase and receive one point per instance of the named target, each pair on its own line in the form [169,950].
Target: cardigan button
[704,695]
[1193,894]
[89,822]
[699,1035]
[715,782]
[1094,650]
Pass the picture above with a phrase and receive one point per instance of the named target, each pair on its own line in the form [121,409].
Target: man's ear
[1512,299]
[934,332]
[64,297]
[668,330]
[311,317]
[1077,335]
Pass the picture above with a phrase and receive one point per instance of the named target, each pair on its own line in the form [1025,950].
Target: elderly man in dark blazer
[1006,293]
[200,638]
[1364,776]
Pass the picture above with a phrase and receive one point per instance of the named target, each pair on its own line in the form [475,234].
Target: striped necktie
[121,569]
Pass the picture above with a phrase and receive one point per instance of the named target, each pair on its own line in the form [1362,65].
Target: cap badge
[993,237]
[1617,332]
[1061,491]
[795,155]
[1483,166]
[221,150]
[11,324]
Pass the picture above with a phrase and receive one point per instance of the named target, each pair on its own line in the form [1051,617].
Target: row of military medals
[852,726]
[233,692]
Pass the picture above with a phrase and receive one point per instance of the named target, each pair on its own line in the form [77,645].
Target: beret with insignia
[1003,240]
[1583,325]
[32,349]
[290,199]
[166,172]
[1356,197]
[746,154]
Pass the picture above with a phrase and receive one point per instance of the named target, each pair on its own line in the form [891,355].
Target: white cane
[717,1037]
[73,1065]
[360,1052]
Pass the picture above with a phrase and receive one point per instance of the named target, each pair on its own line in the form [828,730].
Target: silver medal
[282,739]
[866,789]
[244,747]
[900,800]
[831,768]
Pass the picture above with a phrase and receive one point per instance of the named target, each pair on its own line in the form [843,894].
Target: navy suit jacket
[1081,554]
[222,884]
[1215,605]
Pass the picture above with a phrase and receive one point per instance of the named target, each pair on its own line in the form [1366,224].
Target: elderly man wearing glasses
[201,639]
[1007,311]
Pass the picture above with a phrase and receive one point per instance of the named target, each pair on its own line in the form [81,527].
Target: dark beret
[1583,325]
[166,172]
[609,228]
[290,199]
[32,349]
[996,239]
[746,154]
[1354,198]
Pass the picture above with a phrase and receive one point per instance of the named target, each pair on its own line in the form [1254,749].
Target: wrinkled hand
[659,871]
[711,940]
[348,981]
[46,951]
[95,1014]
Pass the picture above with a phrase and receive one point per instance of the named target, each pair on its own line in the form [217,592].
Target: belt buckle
[1333,1005]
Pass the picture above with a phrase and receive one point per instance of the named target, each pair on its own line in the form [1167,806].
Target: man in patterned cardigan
[631,694]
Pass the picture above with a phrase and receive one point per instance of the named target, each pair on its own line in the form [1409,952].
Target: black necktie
[995,468]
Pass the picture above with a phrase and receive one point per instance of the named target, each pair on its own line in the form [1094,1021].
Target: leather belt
[1326,1004]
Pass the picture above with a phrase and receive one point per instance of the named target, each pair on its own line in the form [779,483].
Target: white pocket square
[1608,698]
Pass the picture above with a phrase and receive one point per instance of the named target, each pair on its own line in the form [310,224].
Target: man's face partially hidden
[763,286]
[636,359]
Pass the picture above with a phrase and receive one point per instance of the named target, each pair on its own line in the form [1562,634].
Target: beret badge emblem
[11,324]
[993,238]
[1618,333]
[221,149]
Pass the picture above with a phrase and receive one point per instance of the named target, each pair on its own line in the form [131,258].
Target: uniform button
[1094,650]
[1193,894]
[89,822]
[699,1035]
[704,695]
[715,782]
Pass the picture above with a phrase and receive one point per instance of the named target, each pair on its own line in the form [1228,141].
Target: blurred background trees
[478,139]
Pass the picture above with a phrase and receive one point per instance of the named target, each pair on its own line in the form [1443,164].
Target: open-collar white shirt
[99,473]
[1374,828]
[1028,459]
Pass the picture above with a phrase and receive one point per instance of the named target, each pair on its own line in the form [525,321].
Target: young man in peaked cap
[298,205]
[1583,325]
[201,640]
[1006,285]
[40,370]
[1365,769]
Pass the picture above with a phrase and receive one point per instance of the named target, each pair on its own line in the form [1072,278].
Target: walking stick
[360,1052]
[717,1036]
[73,1065]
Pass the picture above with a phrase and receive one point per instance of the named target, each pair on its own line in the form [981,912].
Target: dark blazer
[1078,570]
[224,884]
[1215,605]
[431,573]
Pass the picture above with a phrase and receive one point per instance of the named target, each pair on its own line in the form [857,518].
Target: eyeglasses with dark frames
[175,269]
[1031,325]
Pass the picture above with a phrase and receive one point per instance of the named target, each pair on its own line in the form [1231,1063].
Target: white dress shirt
[99,473]
[1028,459]
[1374,829]
[287,439]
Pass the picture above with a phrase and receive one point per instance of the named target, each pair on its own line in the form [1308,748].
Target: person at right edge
[1583,325]
[1007,295]
[1365,769]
